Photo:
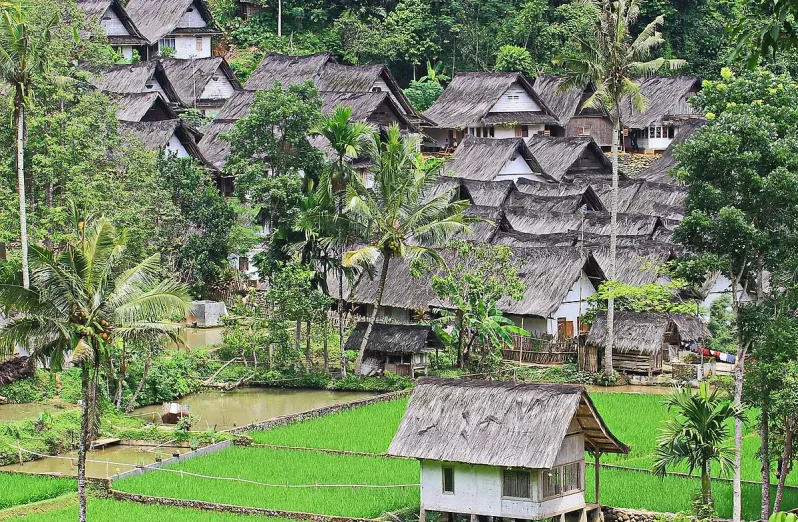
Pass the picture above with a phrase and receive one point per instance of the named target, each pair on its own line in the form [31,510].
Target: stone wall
[612,514]
[227,508]
[320,412]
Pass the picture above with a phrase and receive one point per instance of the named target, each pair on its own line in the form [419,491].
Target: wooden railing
[540,351]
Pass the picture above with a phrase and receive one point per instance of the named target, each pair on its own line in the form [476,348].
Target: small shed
[503,449]
[402,349]
[643,340]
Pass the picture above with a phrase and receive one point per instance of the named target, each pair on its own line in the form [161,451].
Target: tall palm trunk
[764,450]
[386,258]
[19,113]
[608,369]
[785,467]
[140,385]
[338,209]
[461,333]
[706,484]
[84,442]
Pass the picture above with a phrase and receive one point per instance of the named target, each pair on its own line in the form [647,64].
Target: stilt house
[402,349]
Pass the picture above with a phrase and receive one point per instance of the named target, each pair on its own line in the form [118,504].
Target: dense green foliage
[23,489]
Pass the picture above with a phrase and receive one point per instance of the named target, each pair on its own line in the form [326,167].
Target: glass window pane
[448,480]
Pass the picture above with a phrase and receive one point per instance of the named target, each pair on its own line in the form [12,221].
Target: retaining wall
[612,514]
[213,448]
[319,412]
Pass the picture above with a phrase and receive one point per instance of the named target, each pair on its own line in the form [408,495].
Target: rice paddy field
[17,489]
[100,510]
[290,467]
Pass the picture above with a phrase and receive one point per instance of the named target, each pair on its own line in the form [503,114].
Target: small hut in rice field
[402,349]
[644,340]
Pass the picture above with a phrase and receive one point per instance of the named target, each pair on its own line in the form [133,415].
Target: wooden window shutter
[569,329]
[518,131]
[561,328]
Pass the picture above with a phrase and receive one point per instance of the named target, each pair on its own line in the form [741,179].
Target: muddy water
[27,411]
[227,410]
[196,337]
[631,388]
[111,460]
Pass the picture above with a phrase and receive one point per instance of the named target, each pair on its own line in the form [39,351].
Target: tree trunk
[386,258]
[121,381]
[23,215]
[738,437]
[706,485]
[308,350]
[326,343]
[341,320]
[279,17]
[298,337]
[764,450]
[84,442]
[785,467]
[140,385]
[609,371]
[460,340]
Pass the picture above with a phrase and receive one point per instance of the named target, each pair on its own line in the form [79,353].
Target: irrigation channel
[225,410]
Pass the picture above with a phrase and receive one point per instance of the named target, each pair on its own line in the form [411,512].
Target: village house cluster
[524,152]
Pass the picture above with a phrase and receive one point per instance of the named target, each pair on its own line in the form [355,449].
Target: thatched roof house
[171,135]
[521,240]
[142,106]
[397,348]
[184,25]
[135,78]
[486,193]
[642,340]
[533,222]
[573,116]
[585,201]
[568,159]
[276,67]
[119,28]
[488,159]
[659,171]
[635,265]
[204,83]
[486,447]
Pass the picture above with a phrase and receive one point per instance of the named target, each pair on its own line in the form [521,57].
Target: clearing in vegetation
[17,489]
[277,466]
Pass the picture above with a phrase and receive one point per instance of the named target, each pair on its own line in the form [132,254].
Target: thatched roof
[666,96]
[634,265]
[497,423]
[691,327]
[576,156]
[395,338]
[469,97]
[189,77]
[564,104]
[366,106]
[15,369]
[532,222]
[133,78]
[490,220]
[215,149]
[95,9]
[482,159]
[521,240]
[642,332]
[528,186]
[158,18]
[349,78]
[276,67]
[658,172]
[571,203]
[155,135]
[486,193]
[143,106]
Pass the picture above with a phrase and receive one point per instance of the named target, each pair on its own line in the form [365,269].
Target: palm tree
[697,435]
[610,59]
[80,302]
[396,216]
[346,139]
[22,59]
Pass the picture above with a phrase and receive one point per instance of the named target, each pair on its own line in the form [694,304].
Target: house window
[583,131]
[376,89]
[524,131]
[448,479]
[243,263]
[167,42]
[516,484]
[479,132]
[471,131]
[651,131]
[199,43]
[562,480]
[659,132]
[671,132]
[513,97]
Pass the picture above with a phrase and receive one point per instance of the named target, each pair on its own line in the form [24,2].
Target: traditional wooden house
[500,449]
[487,159]
[142,106]
[204,84]
[659,171]
[571,159]
[246,9]
[667,109]
[184,26]
[135,78]
[642,341]
[169,135]
[487,105]
[402,349]
[572,115]
[122,33]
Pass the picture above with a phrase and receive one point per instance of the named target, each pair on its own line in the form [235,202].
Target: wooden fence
[540,351]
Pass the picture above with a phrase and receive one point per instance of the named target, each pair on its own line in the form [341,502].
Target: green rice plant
[287,467]
[17,489]
[368,429]
[642,490]
[101,510]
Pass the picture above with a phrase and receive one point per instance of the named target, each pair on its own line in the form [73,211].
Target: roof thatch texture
[532,222]
[497,423]
[395,338]
[443,185]
[519,200]
[190,77]
[521,240]
[349,78]
[665,96]
[131,78]
[97,8]
[658,172]
[286,69]
[558,156]
[237,106]
[529,186]
[635,265]
[469,97]
[157,18]
[134,106]
[215,149]
[487,193]
[691,327]
[564,104]
[481,159]
[642,332]
[155,135]
[365,105]
[15,369]
[489,221]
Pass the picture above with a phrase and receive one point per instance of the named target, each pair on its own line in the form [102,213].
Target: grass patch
[100,510]
[368,429]
[291,467]
[17,489]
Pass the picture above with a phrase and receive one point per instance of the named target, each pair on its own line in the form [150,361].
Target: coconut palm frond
[365,256]
[159,302]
